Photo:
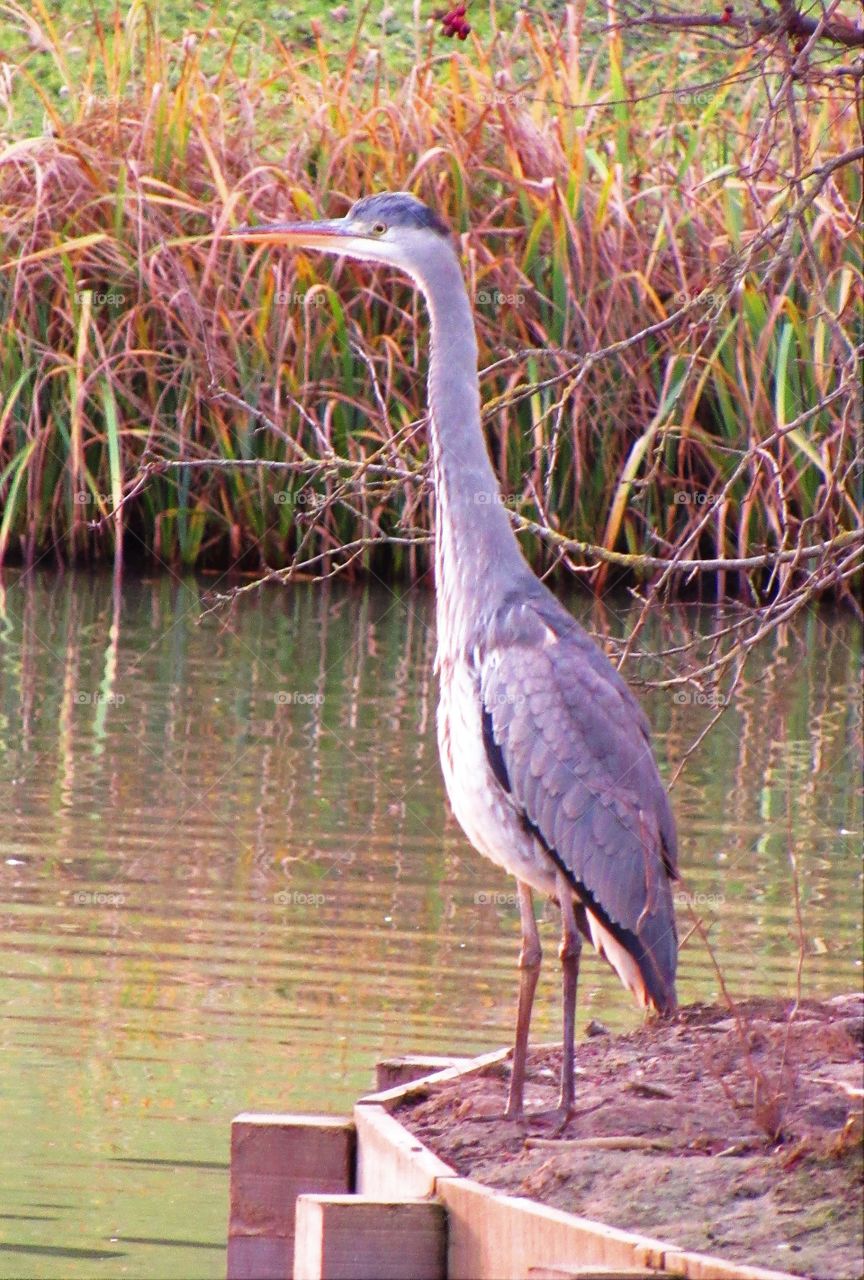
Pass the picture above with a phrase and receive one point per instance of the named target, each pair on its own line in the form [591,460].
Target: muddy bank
[740,1137]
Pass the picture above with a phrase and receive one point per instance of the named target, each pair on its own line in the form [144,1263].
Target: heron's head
[393,227]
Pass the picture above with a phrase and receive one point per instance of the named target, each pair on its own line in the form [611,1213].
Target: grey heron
[545,751]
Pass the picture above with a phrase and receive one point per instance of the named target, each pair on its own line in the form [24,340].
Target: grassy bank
[147,372]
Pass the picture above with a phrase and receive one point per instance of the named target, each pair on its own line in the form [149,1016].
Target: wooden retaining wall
[360,1198]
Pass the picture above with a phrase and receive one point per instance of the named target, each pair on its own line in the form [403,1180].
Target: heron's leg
[529,971]
[569,951]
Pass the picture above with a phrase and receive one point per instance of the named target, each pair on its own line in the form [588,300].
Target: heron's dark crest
[398,209]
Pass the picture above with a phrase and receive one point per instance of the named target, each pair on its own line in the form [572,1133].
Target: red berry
[463,31]
[459,11]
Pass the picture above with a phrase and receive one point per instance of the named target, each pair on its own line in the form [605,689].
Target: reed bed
[201,403]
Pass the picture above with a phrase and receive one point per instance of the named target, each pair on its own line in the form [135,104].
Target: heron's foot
[485,1108]
[515,1109]
[551,1122]
[560,1117]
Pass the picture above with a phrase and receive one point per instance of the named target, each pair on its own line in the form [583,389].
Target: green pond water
[229,882]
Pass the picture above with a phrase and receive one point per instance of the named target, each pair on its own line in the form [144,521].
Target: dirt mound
[736,1136]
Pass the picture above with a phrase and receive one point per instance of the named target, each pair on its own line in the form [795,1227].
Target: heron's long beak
[304,235]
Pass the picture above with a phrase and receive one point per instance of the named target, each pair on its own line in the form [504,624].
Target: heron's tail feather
[637,965]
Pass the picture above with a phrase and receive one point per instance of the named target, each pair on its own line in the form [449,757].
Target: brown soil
[742,1138]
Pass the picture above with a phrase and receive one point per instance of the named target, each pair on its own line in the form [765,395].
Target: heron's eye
[378,228]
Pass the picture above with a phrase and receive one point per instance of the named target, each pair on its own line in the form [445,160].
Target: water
[229,883]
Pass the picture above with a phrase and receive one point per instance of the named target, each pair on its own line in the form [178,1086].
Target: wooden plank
[498,1236]
[390,1098]
[275,1158]
[391,1163]
[566,1272]
[390,1072]
[355,1238]
[703,1266]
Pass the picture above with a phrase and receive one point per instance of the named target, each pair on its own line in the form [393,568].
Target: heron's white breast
[482,807]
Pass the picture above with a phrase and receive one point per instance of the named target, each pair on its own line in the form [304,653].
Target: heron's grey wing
[570,744]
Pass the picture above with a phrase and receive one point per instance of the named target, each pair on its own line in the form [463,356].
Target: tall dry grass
[128,346]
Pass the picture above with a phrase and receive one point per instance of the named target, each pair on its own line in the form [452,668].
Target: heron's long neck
[476,552]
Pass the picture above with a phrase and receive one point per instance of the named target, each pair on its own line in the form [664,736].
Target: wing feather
[575,747]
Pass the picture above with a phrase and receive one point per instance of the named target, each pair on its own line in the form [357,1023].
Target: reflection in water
[229,882]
